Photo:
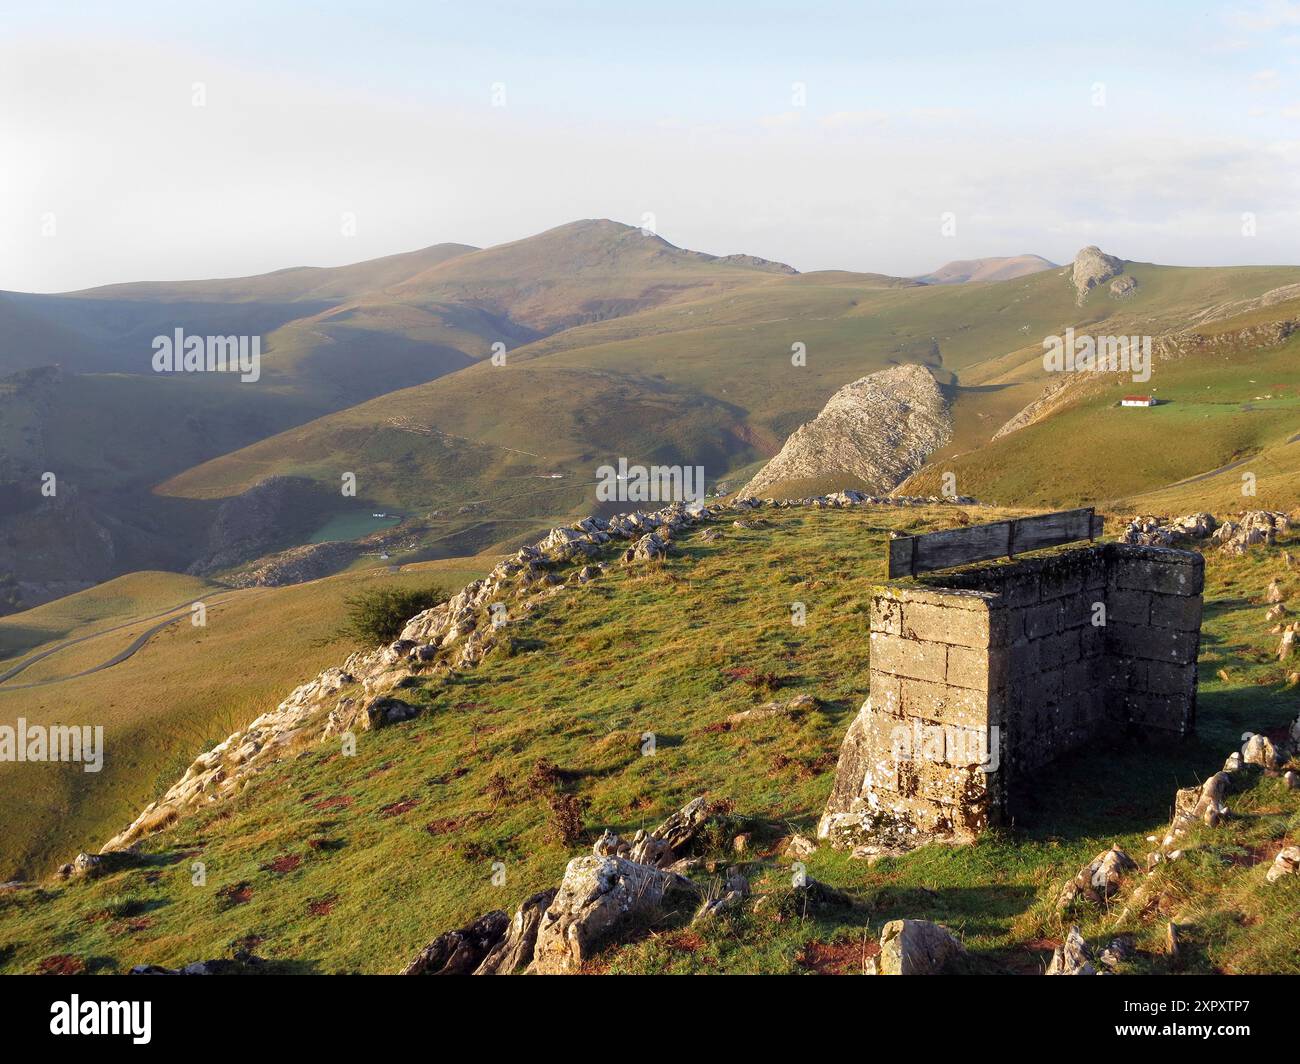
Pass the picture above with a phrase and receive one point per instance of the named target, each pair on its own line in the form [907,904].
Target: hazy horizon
[146,143]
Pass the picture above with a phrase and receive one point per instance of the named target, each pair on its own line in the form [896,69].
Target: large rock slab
[916,947]
[599,898]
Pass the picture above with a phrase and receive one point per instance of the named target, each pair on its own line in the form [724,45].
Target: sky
[151,141]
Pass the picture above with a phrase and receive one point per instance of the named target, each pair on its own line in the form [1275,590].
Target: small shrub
[566,818]
[379,614]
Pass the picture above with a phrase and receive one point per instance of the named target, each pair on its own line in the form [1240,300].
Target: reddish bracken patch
[236,893]
[286,862]
[442,826]
[716,727]
[339,801]
[379,770]
[402,805]
[683,941]
[248,942]
[322,906]
[836,958]
[130,927]
[61,964]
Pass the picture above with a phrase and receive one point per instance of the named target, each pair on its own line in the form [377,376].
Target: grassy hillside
[331,338]
[1225,409]
[186,688]
[330,863]
[709,381]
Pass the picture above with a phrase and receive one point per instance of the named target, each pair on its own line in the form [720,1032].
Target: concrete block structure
[983,675]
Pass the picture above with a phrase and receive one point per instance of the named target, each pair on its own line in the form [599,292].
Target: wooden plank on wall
[910,555]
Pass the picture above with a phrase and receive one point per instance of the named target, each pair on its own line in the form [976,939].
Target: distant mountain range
[609,342]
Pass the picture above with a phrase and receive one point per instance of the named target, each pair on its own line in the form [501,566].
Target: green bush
[380,614]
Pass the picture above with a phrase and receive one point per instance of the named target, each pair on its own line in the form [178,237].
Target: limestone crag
[878,430]
[1093,267]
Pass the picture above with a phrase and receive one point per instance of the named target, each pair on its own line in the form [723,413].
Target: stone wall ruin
[981,676]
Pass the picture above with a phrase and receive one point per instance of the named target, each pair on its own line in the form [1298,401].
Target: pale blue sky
[683,111]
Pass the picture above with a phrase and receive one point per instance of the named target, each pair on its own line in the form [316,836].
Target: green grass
[187,688]
[414,821]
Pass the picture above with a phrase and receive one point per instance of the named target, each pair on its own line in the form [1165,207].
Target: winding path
[171,616]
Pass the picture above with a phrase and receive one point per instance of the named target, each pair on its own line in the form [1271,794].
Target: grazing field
[332,863]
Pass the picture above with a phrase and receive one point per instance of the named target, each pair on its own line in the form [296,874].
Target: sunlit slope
[1237,408]
[187,687]
[352,863]
[110,603]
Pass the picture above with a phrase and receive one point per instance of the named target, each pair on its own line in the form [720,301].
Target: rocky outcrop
[598,898]
[1151,531]
[515,950]
[1123,286]
[1072,957]
[1092,267]
[878,431]
[915,947]
[461,951]
[1250,528]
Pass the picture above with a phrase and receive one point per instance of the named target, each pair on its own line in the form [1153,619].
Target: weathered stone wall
[977,683]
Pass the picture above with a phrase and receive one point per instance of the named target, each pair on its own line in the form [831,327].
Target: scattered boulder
[1259,750]
[915,947]
[1123,286]
[1273,593]
[790,708]
[1198,805]
[1072,957]
[381,711]
[799,847]
[599,898]
[670,841]
[94,865]
[735,890]
[1150,531]
[1099,880]
[1286,863]
[459,952]
[648,548]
